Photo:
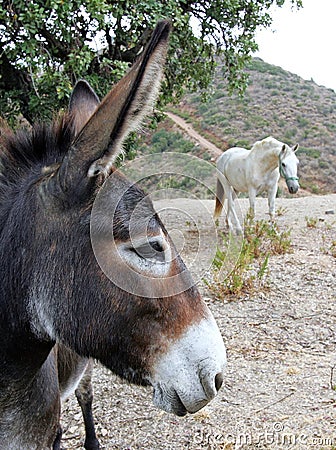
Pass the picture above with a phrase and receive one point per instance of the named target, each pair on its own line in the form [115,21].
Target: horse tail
[220,197]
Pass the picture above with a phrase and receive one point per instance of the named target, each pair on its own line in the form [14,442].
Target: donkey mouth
[178,407]
[170,401]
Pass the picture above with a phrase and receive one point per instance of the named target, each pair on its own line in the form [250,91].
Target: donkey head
[135,307]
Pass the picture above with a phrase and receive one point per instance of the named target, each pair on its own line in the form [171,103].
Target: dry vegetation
[276,103]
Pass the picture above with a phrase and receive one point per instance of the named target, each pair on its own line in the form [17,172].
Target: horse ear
[283,150]
[295,148]
[83,103]
[100,140]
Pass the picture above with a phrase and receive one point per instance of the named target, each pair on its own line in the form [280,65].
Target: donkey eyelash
[150,250]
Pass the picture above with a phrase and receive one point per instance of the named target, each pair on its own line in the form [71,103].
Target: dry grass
[261,239]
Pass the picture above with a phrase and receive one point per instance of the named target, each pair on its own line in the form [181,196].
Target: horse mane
[30,149]
[267,143]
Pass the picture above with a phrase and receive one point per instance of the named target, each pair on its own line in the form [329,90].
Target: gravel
[279,391]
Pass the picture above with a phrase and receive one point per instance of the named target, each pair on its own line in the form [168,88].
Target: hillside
[276,103]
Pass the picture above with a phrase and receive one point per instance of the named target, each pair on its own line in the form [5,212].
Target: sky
[303,41]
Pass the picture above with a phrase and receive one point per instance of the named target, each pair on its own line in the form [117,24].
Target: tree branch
[11,79]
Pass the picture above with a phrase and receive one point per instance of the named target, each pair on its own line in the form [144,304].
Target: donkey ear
[283,149]
[83,103]
[120,112]
[295,148]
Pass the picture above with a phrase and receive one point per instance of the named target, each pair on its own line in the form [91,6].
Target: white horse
[254,171]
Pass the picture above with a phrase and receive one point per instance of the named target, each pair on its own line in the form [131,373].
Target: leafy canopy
[46,45]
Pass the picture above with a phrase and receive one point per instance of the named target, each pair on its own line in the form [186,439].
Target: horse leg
[226,193]
[220,199]
[231,211]
[271,201]
[252,197]
[84,395]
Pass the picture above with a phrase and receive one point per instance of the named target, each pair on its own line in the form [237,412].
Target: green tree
[46,45]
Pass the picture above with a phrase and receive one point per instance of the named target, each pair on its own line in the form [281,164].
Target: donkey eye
[149,255]
[157,246]
[283,164]
[152,250]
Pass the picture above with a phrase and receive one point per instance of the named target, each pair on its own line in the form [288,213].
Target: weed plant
[311,222]
[261,239]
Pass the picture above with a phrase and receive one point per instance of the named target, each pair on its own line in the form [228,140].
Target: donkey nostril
[218,381]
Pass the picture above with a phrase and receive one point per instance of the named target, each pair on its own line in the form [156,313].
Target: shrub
[164,140]
[261,239]
[333,249]
[311,152]
[311,222]
[302,121]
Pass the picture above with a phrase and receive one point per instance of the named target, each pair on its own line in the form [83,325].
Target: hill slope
[276,103]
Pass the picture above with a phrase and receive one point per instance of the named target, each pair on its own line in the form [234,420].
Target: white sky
[303,41]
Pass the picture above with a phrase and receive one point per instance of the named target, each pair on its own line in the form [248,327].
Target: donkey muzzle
[190,374]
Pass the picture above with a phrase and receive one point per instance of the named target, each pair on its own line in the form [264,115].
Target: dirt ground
[279,391]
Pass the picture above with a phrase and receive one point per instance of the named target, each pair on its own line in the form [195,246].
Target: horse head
[288,164]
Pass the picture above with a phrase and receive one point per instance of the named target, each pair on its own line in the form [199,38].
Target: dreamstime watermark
[273,435]
[127,243]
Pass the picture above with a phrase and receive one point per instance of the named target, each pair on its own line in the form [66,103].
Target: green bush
[261,239]
[290,133]
[302,121]
[311,152]
[323,164]
[163,140]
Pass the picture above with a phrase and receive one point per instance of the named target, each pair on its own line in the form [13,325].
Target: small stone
[330,211]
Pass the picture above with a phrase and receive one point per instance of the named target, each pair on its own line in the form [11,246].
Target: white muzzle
[190,374]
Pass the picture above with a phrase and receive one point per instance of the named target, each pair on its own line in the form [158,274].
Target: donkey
[59,304]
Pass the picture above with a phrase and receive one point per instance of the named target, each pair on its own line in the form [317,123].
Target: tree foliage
[46,45]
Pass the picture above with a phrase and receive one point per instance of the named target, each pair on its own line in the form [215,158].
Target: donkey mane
[30,149]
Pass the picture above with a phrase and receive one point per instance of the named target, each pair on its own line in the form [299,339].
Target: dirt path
[279,392]
[211,148]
